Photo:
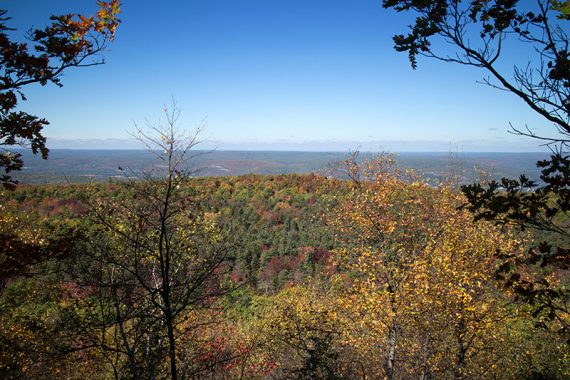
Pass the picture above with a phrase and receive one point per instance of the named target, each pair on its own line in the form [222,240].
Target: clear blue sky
[268,74]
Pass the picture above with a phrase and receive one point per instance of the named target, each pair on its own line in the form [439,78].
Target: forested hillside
[370,271]
[305,277]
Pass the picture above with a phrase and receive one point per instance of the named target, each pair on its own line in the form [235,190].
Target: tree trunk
[390,358]
[169,322]
[172,350]
[461,353]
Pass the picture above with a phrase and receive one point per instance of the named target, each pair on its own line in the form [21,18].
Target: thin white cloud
[326,145]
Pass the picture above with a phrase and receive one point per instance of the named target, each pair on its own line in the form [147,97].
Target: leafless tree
[157,261]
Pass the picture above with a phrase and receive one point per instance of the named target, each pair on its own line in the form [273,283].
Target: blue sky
[284,75]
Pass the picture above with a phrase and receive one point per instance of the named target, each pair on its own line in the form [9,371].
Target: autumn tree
[300,332]
[25,242]
[478,34]
[419,277]
[69,41]
[540,277]
[156,263]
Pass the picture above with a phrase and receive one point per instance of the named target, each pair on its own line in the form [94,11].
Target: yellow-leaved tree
[300,334]
[418,275]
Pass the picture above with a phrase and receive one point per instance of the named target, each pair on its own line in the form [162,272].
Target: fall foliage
[381,275]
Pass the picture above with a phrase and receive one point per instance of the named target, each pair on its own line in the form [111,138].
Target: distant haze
[102,165]
[481,145]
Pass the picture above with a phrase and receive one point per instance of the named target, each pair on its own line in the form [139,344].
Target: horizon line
[296,151]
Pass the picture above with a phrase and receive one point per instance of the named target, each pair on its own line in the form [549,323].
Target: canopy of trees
[378,276]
